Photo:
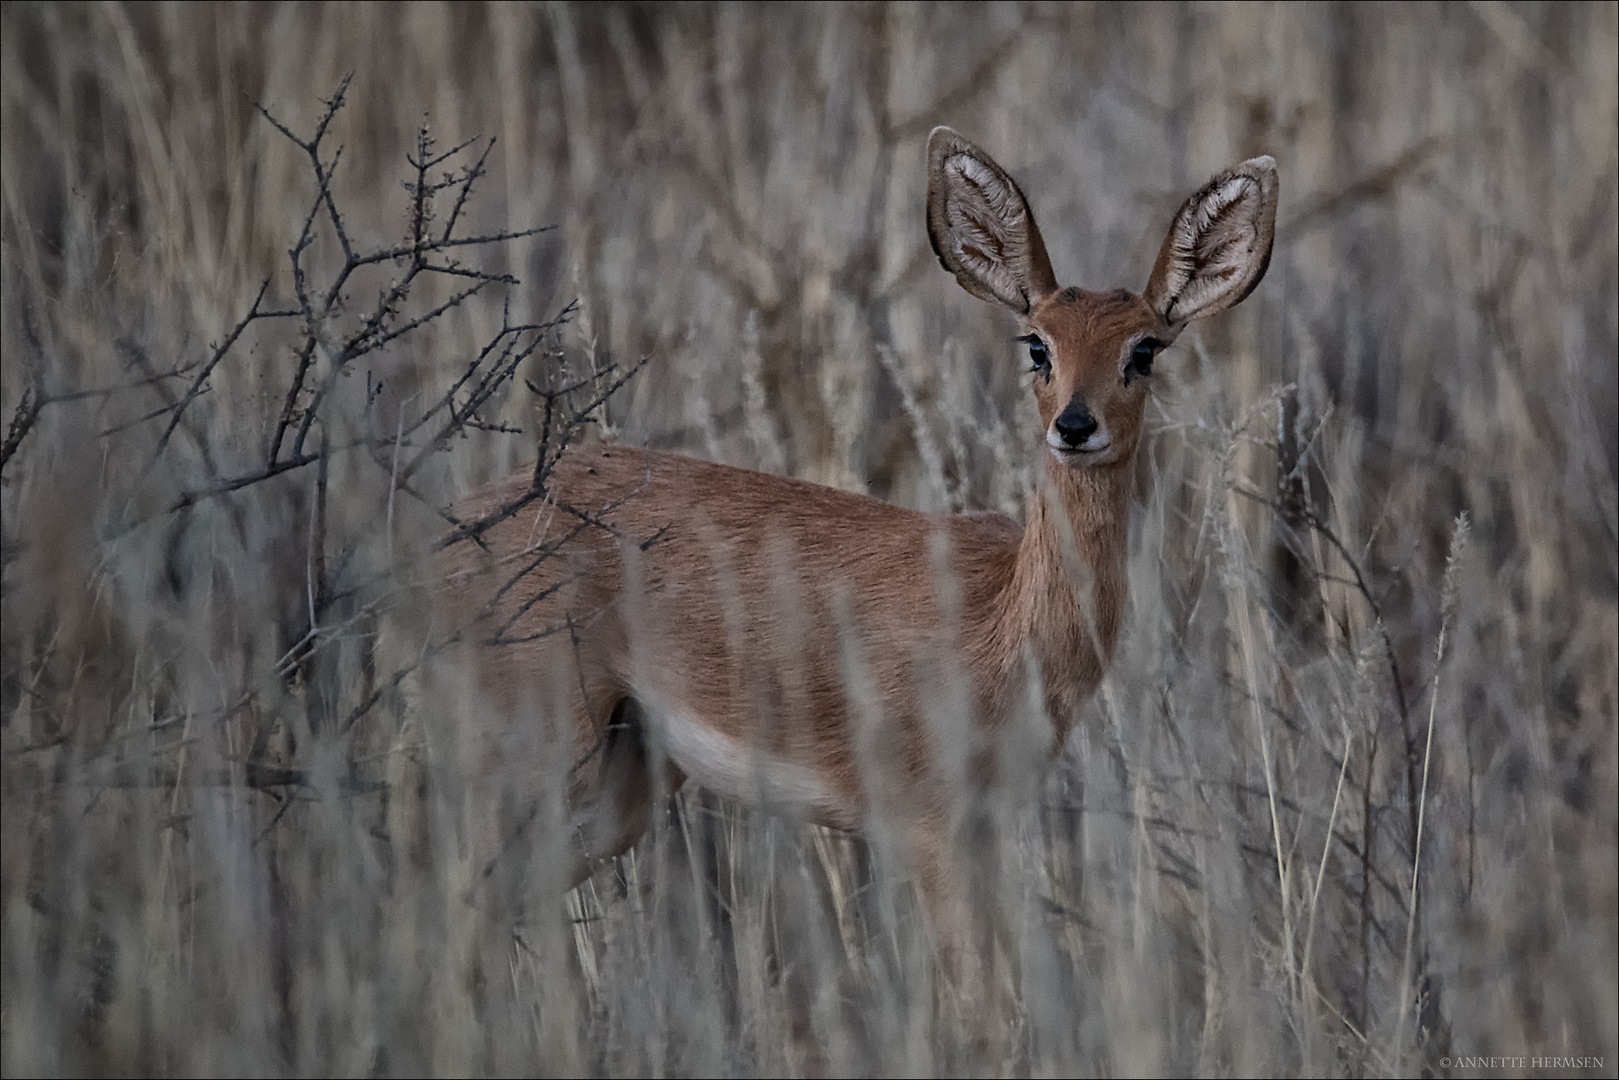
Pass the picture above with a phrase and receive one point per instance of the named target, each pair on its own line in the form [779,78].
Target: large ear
[1219,245]
[981,227]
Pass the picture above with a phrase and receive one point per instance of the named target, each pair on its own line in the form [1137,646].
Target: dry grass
[230,843]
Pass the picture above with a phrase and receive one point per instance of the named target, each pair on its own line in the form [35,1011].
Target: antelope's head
[1093,351]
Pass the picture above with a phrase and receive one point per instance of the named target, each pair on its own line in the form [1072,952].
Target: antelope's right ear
[1219,245]
[981,226]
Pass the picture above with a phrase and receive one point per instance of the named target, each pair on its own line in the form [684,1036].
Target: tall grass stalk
[244,379]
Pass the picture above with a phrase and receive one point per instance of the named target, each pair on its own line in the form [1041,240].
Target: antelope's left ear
[1219,245]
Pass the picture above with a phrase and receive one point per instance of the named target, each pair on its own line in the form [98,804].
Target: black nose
[1075,425]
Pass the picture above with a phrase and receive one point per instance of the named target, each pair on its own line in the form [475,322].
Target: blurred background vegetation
[205,871]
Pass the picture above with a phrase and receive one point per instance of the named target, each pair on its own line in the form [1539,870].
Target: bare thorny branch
[37,394]
[339,602]
[425,251]
[422,253]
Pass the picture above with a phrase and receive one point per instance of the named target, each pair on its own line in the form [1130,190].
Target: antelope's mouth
[1091,452]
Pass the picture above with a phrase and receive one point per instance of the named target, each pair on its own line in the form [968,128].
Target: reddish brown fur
[736,600]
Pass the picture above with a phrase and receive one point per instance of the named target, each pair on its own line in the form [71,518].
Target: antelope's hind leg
[610,806]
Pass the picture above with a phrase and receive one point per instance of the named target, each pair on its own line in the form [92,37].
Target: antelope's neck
[1066,598]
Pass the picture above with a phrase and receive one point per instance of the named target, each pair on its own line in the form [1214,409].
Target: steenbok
[655,618]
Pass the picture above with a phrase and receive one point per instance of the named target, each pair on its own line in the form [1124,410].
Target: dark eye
[1038,355]
[1141,359]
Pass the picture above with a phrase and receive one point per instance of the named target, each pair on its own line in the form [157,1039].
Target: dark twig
[224,347]
[22,421]
[191,498]
[34,398]
[1310,518]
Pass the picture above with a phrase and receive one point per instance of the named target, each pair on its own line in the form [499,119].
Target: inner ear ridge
[1221,197]
[972,200]
[997,192]
[977,228]
[984,208]
[1214,244]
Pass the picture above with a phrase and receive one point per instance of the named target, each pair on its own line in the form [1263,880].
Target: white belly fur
[728,767]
